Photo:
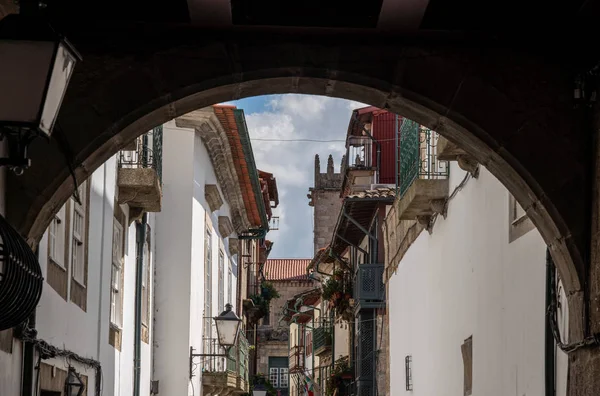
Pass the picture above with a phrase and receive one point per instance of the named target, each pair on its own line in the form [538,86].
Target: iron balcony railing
[418,155]
[216,363]
[236,361]
[369,290]
[296,358]
[147,152]
[322,338]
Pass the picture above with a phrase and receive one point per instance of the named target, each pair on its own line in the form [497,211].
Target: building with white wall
[212,200]
[466,300]
[97,276]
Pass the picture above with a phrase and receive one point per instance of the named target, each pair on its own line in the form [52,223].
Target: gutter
[240,120]
[140,239]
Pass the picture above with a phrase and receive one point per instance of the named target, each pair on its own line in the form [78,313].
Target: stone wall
[287,290]
[325,198]
[270,349]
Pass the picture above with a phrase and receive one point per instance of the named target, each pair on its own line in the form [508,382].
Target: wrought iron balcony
[369,290]
[296,359]
[140,173]
[423,176]
[418,155]
[322,339]
[225,373]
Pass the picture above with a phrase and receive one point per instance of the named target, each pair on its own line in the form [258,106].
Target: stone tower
[325,199]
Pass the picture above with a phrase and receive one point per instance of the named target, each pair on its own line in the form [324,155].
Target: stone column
[584,363]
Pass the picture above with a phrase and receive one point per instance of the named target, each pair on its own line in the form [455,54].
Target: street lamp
[37,64]
[228,327]
[74,386]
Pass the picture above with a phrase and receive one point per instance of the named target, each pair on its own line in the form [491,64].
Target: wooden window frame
[57,274]
[467,355]
[517,225]
[208,243]
[221,280]
[115,329]
[78,289]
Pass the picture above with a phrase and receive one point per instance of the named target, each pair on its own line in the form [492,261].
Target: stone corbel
[468,163]
[213,197]
[225,226]
[233,246]
[438,206]
[424,220]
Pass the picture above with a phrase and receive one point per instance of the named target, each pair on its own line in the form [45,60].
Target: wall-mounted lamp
[37,64]
[228,327]
[74,386]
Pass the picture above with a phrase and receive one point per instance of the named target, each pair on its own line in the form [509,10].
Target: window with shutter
[117,263]
[274,376]
[78,247]
[283,377]
[208,284]
[467,355]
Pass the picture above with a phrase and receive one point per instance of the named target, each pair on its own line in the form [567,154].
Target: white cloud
[292,163]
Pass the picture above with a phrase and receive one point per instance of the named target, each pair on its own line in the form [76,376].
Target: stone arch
[510,110]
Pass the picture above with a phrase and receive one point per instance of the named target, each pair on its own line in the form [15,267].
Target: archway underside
[510,110]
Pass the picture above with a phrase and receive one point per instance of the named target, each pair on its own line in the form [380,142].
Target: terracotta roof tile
[377,193]
[226,117]
[286,269]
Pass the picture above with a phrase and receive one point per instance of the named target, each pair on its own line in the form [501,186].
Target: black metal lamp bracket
[195,355]
[18,140]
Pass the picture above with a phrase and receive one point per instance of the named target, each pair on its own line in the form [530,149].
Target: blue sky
[293,116]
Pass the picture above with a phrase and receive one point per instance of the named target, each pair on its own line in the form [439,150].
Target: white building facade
[466,301]
[86,321]
[204,213]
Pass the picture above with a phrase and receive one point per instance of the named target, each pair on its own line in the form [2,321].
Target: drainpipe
[29,352]
[140,239]
[549,350]
[396,151]
[28,362]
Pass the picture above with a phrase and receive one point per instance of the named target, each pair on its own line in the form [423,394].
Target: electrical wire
[47,351]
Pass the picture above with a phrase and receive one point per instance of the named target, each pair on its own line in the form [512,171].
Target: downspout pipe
[139,274]
[550,347]
[28,364]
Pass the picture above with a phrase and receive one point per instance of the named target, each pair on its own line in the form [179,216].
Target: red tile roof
[286,269]
[226,117]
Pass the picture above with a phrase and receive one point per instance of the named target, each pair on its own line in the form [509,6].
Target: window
[283,377]
[117,266]
[146,280]
[230,285]
[221,280]
[519,222]
[467,354]
[208,284]
[78,247]
[274,376]
[408,372]
[56,238]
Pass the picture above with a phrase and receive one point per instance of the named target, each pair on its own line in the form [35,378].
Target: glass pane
[23,72]
[61,73]
[274,376]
